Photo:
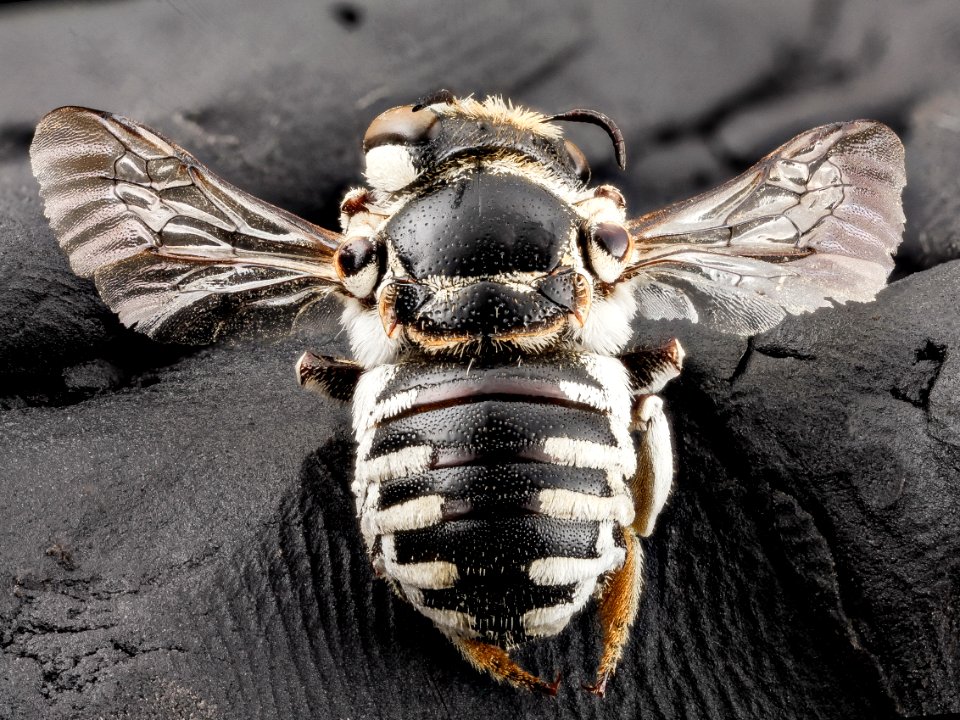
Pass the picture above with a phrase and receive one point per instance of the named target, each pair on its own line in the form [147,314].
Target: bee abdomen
[490,497]
[505,578]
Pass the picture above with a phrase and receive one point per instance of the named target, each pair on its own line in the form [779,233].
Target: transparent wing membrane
[813,223]
[177,252]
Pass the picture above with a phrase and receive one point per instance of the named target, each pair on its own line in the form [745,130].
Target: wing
[813,222]
[177,252]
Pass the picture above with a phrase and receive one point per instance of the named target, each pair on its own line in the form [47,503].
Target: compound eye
[358,265]
[608,248]
[580,166]
[400,126]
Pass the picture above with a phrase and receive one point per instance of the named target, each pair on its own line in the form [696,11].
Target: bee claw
[551,688]
[599,688]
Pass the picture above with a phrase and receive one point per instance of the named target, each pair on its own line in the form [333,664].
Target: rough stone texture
[178,539]
[933,196]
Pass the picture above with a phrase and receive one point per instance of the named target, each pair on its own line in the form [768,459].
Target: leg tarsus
[652,368]
[599,688]
[618,610]
[551,688]
[496,661]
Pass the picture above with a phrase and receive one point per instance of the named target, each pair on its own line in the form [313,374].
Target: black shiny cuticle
[613,238]
[410,298]
[580,165]
[479,226]
[561,289]
[400,126]
[355,254]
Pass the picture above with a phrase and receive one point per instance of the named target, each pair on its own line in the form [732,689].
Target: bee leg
[328,376]
[654,478]
[355,202]
[605,205]
[618,609]
[359,216]
[651,486]
[496,661]
[651,369]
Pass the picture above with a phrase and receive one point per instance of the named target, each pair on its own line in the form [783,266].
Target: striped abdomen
[492,496]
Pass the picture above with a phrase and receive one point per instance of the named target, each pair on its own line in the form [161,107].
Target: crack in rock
[915,387]
[768,348]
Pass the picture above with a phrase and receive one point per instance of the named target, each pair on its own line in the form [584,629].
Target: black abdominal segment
[503,486]
[493,431]
[499,602]
[484,546]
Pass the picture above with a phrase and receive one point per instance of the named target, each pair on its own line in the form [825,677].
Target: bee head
[412,146]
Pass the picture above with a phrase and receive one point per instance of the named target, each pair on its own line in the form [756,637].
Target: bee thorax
[450,248]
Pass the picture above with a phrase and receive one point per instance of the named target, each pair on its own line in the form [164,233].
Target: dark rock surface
[177,537]
[933,197]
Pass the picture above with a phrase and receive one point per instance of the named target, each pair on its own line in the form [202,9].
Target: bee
[511,447]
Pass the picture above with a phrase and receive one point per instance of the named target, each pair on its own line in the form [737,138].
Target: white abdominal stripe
[547,621]
[490,544]
[431,575]
[570,505]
